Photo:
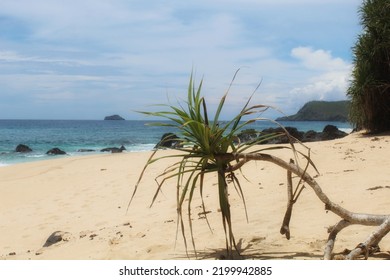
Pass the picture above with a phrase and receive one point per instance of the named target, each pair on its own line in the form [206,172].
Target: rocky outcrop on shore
[168,140]
[114,150]
[329,132]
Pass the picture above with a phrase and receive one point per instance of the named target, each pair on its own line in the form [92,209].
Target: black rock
[169,140]
[311,136]
[23,149]
[247,135]
[114,149]
[85,150]
[283,138]
[55,151]
[56,237]
[331,132]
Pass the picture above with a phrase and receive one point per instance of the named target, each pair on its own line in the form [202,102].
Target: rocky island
[334,111]
[114,118]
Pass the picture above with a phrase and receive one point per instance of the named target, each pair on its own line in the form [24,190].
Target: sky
[86,59]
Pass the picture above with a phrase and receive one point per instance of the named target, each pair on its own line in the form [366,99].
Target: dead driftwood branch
[333,231]
[348,218]
[292,197]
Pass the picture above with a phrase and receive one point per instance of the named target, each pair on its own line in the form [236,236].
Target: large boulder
[247,135]
[169,140]
[282,139]
[114,149]
[21,148]
[311,136]
[55,151]
[331,132]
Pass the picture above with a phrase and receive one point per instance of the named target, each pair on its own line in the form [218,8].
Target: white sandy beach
[87,198]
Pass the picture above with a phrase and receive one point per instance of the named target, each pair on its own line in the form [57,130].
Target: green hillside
[321,111]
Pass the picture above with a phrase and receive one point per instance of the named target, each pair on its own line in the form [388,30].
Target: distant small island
[335,111]
[114,118]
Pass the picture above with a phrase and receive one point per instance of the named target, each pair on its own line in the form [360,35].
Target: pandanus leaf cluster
[204,141]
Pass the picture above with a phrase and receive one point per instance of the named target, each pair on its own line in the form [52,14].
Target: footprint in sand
[116,240]
[317,245]
[92,236]
[85,233]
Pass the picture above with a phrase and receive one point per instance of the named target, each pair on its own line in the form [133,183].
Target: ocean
[72,135]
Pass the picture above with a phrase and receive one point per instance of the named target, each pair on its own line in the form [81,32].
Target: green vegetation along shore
[321,111]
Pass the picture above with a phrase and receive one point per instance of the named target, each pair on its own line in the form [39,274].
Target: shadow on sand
[249,253]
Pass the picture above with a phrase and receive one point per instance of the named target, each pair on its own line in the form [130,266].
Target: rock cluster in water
[21,148]
[55,151]
[114,149]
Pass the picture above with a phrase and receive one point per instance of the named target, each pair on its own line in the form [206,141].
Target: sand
[86,198]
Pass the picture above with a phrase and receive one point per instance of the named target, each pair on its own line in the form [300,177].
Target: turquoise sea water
[71,135]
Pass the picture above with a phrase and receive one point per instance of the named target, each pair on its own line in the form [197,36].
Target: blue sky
[85,59]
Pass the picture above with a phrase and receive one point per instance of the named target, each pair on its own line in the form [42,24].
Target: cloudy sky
[85,59]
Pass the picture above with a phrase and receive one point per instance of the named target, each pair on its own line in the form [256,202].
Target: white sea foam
[346,130]
[36,156]
[141,148]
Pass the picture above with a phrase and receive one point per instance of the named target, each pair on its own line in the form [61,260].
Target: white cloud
[12,56]
[327,76]
[137,51]
[329,86]
[319,59]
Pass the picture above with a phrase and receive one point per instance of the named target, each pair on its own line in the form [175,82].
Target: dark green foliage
[370,86]
[321,111]
[205,141]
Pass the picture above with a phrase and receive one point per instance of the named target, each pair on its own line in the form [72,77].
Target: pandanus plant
[205,143]
[211,146]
